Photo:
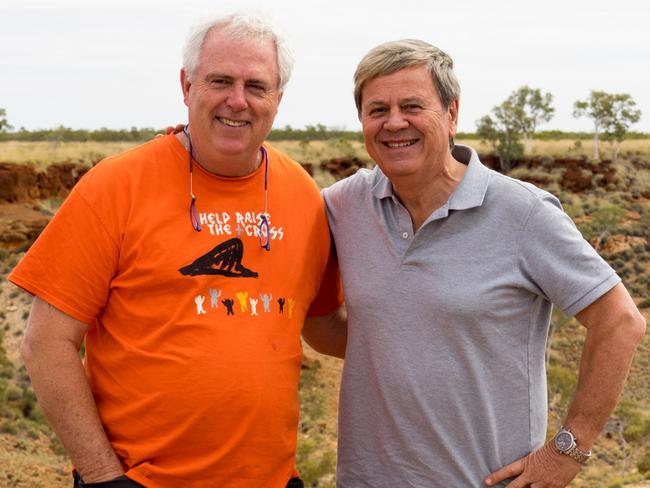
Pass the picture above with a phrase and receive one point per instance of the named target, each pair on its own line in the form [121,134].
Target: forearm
[606,359]
[327,334]
[63,392]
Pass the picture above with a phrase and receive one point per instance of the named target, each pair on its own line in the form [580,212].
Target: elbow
[633,325]
[639,327]
[27,351]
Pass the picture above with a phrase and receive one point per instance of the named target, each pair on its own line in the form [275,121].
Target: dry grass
[316,151]
[575,147]
[44,153]
[570,147]
[30,463]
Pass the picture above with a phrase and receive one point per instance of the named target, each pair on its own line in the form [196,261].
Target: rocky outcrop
[22,189]
[24,183]
[342,167]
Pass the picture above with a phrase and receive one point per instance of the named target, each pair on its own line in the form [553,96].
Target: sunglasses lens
[265,238]
[194,218]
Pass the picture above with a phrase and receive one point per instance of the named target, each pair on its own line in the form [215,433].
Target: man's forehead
[379,91]
[231,56]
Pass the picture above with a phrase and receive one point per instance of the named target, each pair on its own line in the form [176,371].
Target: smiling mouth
[397,145]
[232,123]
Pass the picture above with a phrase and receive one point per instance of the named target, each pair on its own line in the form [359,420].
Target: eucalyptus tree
[612,115]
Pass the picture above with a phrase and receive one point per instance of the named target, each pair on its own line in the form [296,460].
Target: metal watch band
[578,455]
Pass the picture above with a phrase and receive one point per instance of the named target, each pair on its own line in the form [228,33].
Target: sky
[90,64]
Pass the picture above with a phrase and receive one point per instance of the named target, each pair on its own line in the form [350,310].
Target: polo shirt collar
[471,190]
[469,193]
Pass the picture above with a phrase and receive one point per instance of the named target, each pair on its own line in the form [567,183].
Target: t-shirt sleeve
[72,262]
[558,263]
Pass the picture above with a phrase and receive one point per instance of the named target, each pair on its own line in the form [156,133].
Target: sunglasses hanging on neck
[263,227]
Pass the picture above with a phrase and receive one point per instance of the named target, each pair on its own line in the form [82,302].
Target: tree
[531,108]
[612,114]
[503,133]
[518,116]
[4,124]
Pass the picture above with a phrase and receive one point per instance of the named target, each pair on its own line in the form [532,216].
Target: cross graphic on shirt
[239,229]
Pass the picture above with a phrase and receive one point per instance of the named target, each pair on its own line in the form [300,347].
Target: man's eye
[257,88]
[411,107]
[219,82]
[376,111]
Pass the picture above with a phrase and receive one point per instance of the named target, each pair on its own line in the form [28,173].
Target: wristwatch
[565,442]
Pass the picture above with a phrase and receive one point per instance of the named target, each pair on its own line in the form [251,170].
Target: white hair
[239,26]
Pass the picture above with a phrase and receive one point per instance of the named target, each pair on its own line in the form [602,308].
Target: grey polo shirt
[444,377]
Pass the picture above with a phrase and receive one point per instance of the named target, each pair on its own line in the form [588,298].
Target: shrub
[561,381]
[13,394]
[9,427]
[644,463]
[615,483]
[637,423]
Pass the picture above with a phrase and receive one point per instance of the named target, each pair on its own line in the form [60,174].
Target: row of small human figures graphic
[244,300]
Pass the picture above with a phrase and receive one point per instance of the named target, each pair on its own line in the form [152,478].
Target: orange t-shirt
[194,352]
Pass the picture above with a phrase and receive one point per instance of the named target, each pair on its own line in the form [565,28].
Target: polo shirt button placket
[405,235]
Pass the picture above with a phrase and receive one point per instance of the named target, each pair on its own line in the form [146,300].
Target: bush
[615,483]
[644,463]
[9,427]
[637,430]
[561,381]
[13,394]
[637,423]
[312,470]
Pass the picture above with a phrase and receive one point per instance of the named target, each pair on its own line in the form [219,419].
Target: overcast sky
[90,64]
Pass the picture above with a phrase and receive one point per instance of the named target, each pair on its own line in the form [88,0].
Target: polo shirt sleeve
[72,262]
[557,262]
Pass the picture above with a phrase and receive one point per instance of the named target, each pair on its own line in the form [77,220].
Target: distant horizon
[630,133]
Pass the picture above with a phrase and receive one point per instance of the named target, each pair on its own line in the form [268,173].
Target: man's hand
[50,351]
[543,468]
[172,130]
[328,334]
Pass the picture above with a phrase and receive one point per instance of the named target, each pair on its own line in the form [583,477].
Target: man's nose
[395,121]
[237,98]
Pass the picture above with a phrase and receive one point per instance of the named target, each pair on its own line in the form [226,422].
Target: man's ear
[280,94]
[185,86]
[453,118]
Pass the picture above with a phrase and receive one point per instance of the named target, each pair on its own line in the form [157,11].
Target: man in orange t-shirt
[189,265]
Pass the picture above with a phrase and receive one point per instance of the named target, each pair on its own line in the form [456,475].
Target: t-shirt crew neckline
[197,168]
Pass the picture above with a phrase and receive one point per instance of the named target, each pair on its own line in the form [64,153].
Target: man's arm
[50,350]
[614,329]
[328,334]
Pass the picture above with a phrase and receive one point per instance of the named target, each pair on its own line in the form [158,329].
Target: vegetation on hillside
[610,203]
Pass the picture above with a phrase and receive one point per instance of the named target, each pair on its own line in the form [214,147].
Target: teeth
[232,123]
[400,144]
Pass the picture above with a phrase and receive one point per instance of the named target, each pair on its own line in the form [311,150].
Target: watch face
[563,441]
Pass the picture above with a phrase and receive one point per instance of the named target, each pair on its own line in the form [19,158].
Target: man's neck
[229,167]
[423,196]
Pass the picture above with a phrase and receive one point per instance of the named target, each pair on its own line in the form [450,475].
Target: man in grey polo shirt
[450,271]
